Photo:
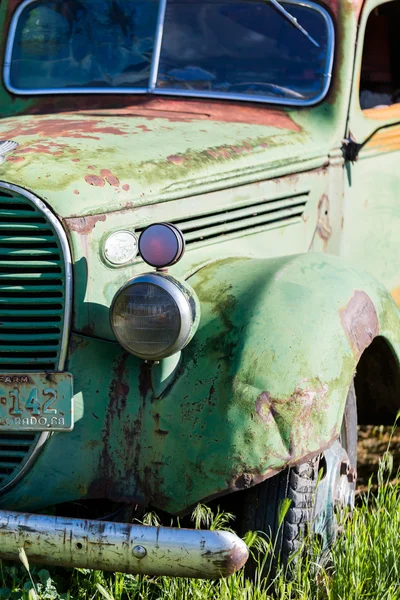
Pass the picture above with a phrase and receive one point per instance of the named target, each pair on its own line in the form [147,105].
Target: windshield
[242,49]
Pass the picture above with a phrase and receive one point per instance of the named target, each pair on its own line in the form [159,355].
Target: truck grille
[32,305]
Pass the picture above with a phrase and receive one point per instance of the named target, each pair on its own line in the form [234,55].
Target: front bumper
[121,547]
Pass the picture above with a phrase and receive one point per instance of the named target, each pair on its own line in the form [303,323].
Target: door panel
[371,223]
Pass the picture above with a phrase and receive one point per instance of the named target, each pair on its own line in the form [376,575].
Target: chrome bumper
[121,547]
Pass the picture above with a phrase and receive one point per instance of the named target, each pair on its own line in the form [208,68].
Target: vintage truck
[199,270]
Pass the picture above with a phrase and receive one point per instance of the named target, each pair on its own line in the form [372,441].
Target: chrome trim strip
[242,97]
[155,63]
[67,312]
[10,44]
[157,45]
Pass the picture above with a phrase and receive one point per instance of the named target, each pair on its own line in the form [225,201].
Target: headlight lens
[154,316]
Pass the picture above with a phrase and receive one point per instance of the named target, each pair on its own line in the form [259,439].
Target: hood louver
[251,218]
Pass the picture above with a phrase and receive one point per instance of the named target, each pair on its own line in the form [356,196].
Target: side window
[380,70]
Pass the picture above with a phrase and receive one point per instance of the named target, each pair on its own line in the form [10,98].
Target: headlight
[154,315]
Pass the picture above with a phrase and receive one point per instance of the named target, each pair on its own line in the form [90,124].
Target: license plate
[36,402]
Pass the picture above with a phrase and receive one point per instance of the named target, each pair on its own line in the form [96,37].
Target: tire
[312,507]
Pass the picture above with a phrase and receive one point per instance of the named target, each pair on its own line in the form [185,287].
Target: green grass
[363,564]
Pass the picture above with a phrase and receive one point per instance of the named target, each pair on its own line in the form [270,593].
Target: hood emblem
[6,146]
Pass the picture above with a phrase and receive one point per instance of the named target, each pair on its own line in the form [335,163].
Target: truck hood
[87,162]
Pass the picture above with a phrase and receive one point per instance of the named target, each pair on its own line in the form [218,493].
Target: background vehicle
[237,370]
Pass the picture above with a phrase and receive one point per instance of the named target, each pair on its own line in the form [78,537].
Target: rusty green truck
[199,269]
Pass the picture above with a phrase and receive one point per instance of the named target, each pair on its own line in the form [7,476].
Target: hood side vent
[250,218]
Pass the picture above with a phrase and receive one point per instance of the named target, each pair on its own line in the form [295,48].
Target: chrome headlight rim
[185,301]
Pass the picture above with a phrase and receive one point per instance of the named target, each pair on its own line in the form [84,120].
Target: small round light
[154,316]
[121,247]
[161,245]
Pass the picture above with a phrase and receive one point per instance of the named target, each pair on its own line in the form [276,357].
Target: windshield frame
[157,91]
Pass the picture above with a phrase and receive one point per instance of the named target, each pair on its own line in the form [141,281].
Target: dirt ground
[373,441]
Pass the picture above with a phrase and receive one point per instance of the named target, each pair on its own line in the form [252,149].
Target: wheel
[312,507]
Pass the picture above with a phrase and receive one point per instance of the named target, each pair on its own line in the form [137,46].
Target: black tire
[262,504]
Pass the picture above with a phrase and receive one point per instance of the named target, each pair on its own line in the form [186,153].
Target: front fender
[264,381]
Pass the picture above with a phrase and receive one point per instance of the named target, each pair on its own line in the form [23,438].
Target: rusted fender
[121,547]
[265,379]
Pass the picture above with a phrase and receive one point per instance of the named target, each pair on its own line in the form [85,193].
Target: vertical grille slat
[32,307]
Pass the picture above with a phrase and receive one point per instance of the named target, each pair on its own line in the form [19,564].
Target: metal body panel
[111,162]
[87,235]
[254,391]
[372,185]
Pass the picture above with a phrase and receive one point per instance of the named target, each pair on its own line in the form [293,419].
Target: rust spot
[102,485]
[225,152]
[228,561]
[88,330]
[144,128]
[162,432]
[15,159]
[95,180]
[176,159]
[66,128]
[303,398]
[119,389]
[144,106]
[265,407]
[109,177]
[360,322]
[244,481]
[126,187]
[178,110]
[52,148]
[145,384]
[76,192]
[324,229]
[84,225]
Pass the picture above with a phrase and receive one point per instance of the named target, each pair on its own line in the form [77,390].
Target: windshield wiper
[293,21]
